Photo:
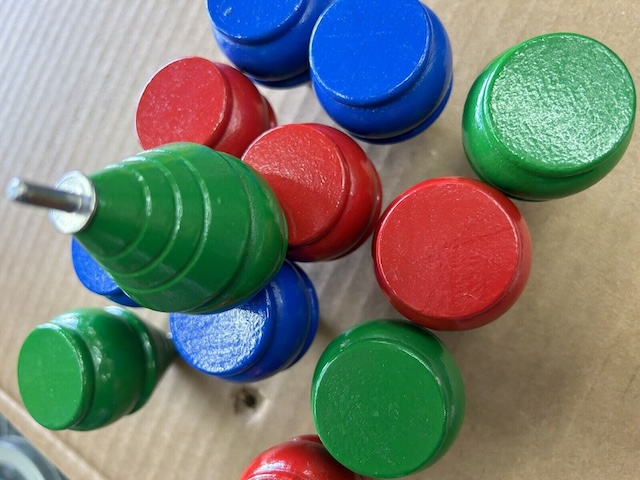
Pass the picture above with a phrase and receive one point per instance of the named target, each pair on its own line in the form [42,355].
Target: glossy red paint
[452,253]
[195,100]
[329,190]
[301,458]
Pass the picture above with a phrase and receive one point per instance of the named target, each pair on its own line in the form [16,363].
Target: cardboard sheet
[553,387]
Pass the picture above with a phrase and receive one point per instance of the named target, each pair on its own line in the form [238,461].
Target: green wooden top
[387,399]
[549,117]
[90,366]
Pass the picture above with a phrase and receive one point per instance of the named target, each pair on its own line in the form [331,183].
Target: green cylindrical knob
[549,117]
[88,367]
[387,399]
[182,228]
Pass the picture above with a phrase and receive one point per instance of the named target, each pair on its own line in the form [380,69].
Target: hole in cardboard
[246,400]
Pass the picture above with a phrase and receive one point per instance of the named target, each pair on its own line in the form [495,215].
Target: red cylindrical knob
[301,458]
[452,253]
[329,190]
[195,100]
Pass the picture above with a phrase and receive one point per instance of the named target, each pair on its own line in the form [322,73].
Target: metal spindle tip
[71,203]
[16,189]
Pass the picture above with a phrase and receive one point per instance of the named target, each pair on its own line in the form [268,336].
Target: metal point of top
[71,203]
[22,191]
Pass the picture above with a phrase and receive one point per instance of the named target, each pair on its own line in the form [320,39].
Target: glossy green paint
[387,399]
[88,367]
[183,228]
[549,117]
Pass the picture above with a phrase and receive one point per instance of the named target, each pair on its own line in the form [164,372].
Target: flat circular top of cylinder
[188,100]
[381,406]
[404,398]
[560,103]
[367,51]
[308,174]
[54,377]
[449,249]
[227,342]
[254,21]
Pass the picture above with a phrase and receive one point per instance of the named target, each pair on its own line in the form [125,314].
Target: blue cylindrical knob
[265,335]
[267,40]
[382,70]
[94,277]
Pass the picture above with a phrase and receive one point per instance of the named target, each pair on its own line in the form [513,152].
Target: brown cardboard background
[553,389]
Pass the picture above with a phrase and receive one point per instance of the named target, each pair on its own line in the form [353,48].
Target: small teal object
[268,40]
[95,278]
[382,70]
[265,335]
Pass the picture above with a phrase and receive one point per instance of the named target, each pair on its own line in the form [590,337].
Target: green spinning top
[549,117]
[88,367]
[180,228]
[387,399]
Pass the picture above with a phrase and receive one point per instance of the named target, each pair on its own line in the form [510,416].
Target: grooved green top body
[549,117]
[182,228]
[387,399]
[88,367]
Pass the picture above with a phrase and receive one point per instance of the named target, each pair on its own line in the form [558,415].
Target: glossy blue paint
[94,278]
[267,39]
[382,70]
[265,335]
